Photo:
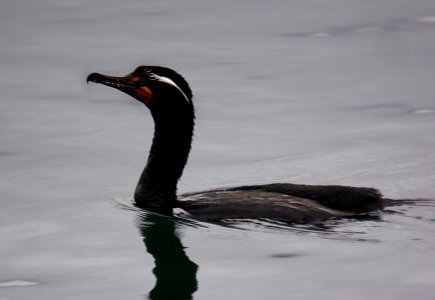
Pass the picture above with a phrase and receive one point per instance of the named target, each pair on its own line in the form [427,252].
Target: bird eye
[141,82]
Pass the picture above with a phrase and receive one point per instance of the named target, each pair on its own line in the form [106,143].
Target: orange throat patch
[144,94]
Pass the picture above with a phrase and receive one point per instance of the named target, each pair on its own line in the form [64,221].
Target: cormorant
[169,99]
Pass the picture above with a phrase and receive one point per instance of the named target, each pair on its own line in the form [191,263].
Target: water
[321,92]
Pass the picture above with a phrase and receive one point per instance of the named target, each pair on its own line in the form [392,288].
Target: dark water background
[321,92]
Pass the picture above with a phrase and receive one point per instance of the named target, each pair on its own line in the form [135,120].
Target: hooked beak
[127,84]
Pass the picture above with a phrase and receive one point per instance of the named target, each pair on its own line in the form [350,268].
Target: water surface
[320,92]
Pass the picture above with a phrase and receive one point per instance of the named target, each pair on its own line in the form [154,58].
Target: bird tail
[413,202]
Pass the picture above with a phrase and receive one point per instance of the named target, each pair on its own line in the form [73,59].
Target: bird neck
[157,186]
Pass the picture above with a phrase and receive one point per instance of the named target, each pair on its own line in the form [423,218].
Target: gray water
[315,92]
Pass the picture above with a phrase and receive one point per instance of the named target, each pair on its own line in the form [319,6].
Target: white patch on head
[170,82]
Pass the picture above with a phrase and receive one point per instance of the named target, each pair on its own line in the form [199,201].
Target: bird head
[154,86]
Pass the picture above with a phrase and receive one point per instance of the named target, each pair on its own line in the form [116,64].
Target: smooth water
[316,92]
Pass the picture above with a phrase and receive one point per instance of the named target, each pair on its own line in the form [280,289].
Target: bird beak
[127,84]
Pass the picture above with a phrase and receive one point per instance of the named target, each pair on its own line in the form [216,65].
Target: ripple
[285,255]
[15,283]
[427,19]
[423,111]
[321,34]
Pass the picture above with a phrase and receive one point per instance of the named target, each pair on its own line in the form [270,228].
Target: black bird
[169,98]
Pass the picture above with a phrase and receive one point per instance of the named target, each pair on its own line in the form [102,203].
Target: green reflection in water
[175,273]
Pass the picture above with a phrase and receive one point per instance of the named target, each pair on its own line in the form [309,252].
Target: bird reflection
[175,273]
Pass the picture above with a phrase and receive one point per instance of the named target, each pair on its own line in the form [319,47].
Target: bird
[168,97]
